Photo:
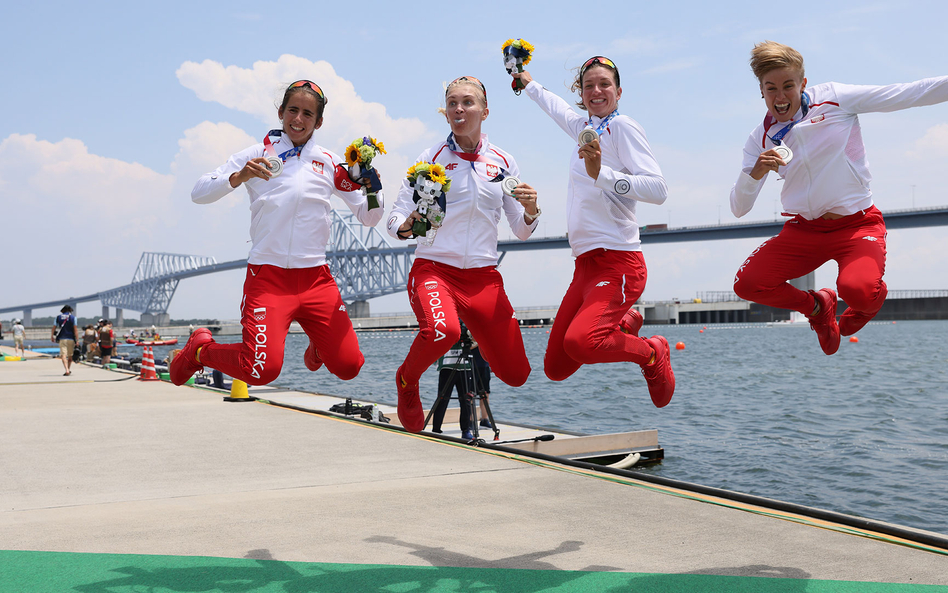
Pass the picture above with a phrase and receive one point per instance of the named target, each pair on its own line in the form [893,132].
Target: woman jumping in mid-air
[456,274]
[287,275]
[812,139]
[608,176]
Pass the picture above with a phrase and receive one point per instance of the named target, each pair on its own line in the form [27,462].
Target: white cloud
[80,217]
[259,89]
[106,212]
[933,145]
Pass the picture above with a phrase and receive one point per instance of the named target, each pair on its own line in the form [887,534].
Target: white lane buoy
[630,460]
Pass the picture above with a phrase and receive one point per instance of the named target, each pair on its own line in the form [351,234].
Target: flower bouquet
[517,54]
[359,157]
[431,184]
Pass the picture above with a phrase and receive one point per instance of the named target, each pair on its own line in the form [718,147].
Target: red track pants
[605,285]
[273,298]
[856,242]
[440,296]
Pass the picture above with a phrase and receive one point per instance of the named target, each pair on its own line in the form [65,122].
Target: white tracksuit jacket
[290,214]
[601,213]
[468,236]
[829,171]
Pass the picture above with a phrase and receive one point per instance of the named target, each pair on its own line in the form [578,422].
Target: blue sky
[112,111]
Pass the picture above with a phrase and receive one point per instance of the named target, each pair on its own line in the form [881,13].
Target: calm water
[757,409]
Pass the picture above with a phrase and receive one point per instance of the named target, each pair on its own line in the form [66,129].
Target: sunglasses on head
[467,79]
[315,87]
[602,61]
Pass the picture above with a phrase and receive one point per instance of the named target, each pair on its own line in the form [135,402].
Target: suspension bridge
[366,266]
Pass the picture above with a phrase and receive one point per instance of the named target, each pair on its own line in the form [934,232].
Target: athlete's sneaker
[185,364]
[410,412]
[631,323]
[658,374]
[486,423]
[311,358]
[852,321]
[824,322]
[467,435]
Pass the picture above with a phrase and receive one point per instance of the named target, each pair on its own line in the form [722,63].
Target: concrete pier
[122,470]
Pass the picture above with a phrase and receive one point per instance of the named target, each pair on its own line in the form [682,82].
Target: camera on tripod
[459,372]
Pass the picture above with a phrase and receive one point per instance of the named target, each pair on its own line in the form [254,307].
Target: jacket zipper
[296,209]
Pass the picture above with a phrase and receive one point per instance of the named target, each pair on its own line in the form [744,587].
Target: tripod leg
[490,415]
[443,396]
[466,397]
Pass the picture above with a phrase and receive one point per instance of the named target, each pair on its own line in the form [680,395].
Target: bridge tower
[153,285]
[363,263]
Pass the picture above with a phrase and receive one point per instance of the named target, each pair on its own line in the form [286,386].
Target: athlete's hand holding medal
[431,184]
[259,167]
[771,160]
[359,157]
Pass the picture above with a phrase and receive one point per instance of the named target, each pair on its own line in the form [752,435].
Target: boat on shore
[167,342]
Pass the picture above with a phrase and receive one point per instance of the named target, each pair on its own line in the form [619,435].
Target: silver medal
[275,165]
[784,152]
[508,184]
[587,136]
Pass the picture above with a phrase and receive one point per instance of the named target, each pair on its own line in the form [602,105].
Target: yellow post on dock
[238,392]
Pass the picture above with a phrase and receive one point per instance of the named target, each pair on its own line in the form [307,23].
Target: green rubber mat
[59,572]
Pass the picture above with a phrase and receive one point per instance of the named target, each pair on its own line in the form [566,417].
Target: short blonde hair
[771,55]
[479,91]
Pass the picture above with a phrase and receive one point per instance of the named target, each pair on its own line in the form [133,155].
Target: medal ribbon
[268,147]
[776,138]
[604,123]
[474,158]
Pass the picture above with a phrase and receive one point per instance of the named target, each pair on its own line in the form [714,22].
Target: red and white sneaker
[410,412]
[824,322]
[185,364]
[311,358]
[631,323]
[658,374]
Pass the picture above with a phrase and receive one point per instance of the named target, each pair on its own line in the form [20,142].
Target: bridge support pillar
[358,309]
[27,317]
[807,282]
[156,319]
[105,312]
[119,318]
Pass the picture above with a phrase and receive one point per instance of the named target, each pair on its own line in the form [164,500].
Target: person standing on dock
[290,180]
[456,273]
[106,342]
[611,171]
[811,138]
[19,332]
[66,332]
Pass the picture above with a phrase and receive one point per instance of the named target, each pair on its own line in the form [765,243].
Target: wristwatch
[531,217]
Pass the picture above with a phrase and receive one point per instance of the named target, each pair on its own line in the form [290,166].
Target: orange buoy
[680,346]
[853,339]
[700,331]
